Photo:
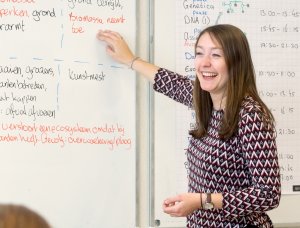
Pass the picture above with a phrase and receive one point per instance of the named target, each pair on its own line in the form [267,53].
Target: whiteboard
[273,32]
[67,128]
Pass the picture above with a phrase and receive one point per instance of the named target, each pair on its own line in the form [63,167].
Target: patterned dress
[244,168]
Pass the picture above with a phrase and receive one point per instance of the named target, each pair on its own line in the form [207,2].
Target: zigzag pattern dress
[243,168]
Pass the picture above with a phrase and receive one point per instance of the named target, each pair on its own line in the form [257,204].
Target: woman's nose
[205,61]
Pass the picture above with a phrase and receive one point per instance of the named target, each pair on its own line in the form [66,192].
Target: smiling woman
[232,161]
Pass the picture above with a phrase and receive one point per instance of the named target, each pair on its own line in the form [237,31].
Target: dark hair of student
[241,83]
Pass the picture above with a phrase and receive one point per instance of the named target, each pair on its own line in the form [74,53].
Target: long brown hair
[241,82]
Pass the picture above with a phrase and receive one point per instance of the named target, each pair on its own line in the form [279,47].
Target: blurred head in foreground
[17,216]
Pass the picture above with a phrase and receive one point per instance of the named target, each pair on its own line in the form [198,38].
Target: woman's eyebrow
[212,48]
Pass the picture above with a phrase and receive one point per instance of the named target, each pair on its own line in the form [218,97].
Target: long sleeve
[261,160]
[174,86]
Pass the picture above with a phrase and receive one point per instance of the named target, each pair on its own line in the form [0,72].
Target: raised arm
[118,49]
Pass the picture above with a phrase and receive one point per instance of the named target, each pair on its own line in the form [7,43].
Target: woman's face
[211,68]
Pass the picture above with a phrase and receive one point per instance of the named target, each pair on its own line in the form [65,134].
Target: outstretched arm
[118,49]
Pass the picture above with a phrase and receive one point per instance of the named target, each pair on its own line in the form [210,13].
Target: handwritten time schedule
[273,30]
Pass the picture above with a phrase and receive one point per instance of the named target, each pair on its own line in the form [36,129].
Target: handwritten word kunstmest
[86,76]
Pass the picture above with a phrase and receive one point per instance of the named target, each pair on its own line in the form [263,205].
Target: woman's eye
[216,55]
[199,53]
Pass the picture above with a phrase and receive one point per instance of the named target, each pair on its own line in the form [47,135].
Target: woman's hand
[117,48]
[182,204]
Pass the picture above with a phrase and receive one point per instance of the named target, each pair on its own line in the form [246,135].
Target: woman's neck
[219,102]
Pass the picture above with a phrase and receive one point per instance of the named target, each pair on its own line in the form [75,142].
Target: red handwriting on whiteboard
[112,136]
[78,21]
